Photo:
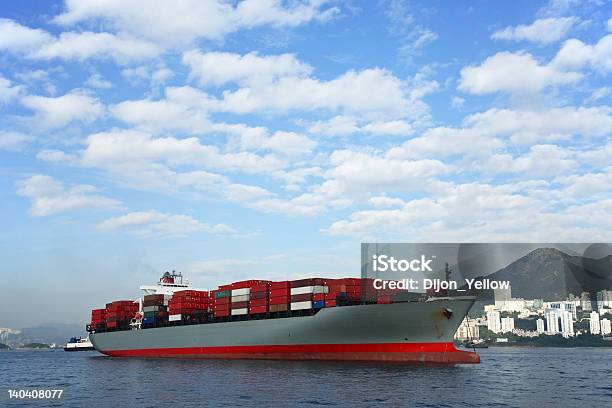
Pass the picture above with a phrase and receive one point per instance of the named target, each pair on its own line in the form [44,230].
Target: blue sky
[233,140]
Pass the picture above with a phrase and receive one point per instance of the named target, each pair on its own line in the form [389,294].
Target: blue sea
[507,377]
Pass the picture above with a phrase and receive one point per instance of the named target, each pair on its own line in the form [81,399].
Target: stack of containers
[303,291]
[155,308]
[280,296]
[346,289]
[187,302]
[259,298]
[222,301]
[98,319]
[119,313]
[240,301]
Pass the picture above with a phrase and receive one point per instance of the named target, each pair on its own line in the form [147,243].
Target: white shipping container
[243,291]
[301,305]
[174,317]
[240,298]
[242,311]
[309,289]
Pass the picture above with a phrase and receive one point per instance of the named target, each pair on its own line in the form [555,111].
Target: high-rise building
[606,329]
[493,321]
[604,297]
[585,301]
[552,321]
[540,326]
[595,327]
[507,324]
[468,330]
[567,324]
[563,306]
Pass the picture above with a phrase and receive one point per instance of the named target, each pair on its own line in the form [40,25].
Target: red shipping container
[221,313]
[258,309]
[318,296]
[258,295]
[279,285]
[240,305]
[301,298]
[263,287]
[279,308]
[223,288]
[279,292]
[247,284]
[223,301]
[330,303]
[307,282]
[258,302]
[281,300]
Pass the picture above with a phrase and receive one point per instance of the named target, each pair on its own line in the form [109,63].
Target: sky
[267,139]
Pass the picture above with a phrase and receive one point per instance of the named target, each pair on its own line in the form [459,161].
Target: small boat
[79,344]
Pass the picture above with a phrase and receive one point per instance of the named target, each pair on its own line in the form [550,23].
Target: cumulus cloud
[179,22]
[38,44]
[8,91]
[156,224]
[576,54]
[513,73]
[54,112]
[542,31]
[218,68]
[48,196]
[13,140]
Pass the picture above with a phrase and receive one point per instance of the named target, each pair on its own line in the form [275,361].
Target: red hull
[432,353]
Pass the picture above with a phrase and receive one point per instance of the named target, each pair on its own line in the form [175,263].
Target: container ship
[307,319]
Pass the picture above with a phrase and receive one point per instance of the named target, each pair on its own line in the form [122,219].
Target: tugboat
[79,344]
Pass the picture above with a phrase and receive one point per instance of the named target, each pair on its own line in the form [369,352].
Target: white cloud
[513,73]
[70,45]
[372,92]
[13,140]
[60,111]
[543,31]
[444,142]
[177,23]
[16,37]
[154,224]
[97,81]
[49,196]
[8,91]
[117,147]
[540,161]
[341,125]
[289,143]
[457,102]
[529,126]
[218,68]
[576,54]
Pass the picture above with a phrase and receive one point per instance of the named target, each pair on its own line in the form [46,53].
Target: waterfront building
[567,324]
[493,321]
[595,326]
[568,306]
[540,326]
[605,327]
[468,330]
[604,297]
[585,301]
[552,321]
[507,324]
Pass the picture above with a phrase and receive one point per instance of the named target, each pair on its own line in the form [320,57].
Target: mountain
[550,274]
[52,333]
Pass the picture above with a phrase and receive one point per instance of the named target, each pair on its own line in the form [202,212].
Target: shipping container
[241,311]
[279,308]
[301,305]
[309,289]
[279,300]
[258,309]
[240,292]
[175,317]
[240,305]
[240,298]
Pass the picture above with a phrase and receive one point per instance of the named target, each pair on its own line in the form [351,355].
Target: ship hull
[416,332]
